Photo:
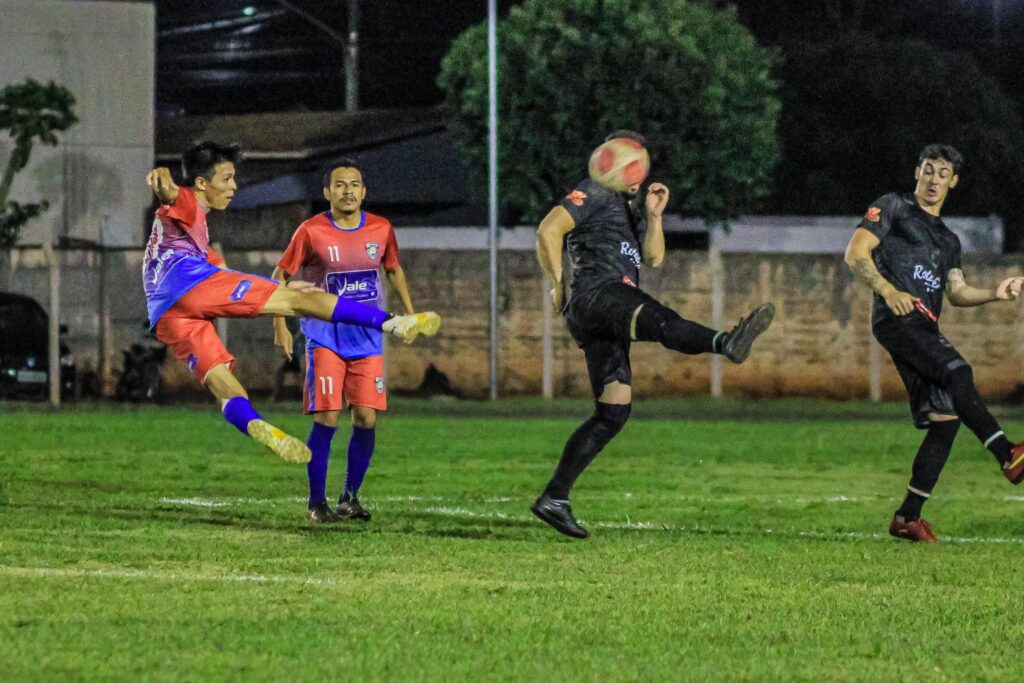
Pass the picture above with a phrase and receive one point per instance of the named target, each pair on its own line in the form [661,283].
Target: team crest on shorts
[371,250]
[577,197]
[379,383]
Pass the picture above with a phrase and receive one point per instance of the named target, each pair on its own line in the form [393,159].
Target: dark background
[213,58]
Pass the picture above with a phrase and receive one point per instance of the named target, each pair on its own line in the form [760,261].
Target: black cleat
[349,508]
[738,342]
[558,515]
[321,512]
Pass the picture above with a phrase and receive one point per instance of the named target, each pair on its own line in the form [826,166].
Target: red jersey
[346,262]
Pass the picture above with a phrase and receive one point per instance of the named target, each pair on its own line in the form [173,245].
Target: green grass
[730,549]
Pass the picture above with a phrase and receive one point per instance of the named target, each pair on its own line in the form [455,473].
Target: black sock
[931,458]
[661,324]
[584,445]
[972,411]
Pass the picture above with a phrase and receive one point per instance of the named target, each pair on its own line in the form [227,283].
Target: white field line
[161,575]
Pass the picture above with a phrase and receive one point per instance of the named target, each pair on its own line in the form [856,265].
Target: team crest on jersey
[873,214]
[379,383]
[577,197]
[371,250]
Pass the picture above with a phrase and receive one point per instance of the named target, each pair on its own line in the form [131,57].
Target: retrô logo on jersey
[932,282]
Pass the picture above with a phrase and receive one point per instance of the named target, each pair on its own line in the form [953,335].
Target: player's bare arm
[959,293]
[550,234]
[653,248]
[858,258]
[163,185]
[397,281]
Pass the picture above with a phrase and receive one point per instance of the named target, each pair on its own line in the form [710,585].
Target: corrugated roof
[296,136]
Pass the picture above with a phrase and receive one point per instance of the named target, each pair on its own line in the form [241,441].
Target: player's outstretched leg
[658,323]
[580,450]
[239,412]
[931,457]
[324,306]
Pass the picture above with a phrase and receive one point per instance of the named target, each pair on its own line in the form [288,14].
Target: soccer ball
[619,164]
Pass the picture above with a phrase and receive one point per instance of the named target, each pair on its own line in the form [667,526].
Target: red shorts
[332,381]
[187,327]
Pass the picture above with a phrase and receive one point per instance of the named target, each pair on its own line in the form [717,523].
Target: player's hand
[163,184]
[283,340]
[1009,289]
[899,302]
[657,199]
[303,286]
[558,297]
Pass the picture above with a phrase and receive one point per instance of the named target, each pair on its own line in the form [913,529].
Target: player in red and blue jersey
[342,250]
[186,289]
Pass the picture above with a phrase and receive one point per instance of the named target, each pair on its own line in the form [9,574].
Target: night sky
[233,56]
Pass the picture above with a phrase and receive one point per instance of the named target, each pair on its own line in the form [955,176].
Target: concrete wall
[103,52]
[819,345]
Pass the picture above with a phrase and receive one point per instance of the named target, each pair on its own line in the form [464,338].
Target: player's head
[210,169]
[938,172]
[344,188]
[633,190]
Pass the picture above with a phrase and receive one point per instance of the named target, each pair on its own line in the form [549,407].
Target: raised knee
[651,321]
[960,375]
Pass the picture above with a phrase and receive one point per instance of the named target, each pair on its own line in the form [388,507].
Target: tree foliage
[29,112]
[857,111]
[687,76]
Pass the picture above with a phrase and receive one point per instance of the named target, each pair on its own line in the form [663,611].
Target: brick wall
[818,346]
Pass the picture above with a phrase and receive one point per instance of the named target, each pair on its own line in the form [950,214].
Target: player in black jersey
[608,238]
[905,253]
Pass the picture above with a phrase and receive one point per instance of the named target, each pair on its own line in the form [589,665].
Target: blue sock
[319,443]
[355,313]
[239,412]
[360,450]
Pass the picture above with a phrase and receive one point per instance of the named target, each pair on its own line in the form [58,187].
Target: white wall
[104,53]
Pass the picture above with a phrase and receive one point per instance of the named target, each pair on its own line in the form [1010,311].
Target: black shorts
[599,320]
[922,357]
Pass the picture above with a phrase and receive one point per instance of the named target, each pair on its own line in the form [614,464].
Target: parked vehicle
[142,375]
[24,350]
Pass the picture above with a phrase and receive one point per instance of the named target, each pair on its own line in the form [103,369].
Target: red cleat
[917,530]
[1014,470]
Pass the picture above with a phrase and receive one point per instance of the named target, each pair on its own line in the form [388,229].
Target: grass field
[159,544]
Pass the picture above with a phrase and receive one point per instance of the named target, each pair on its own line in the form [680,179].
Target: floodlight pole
[492,208]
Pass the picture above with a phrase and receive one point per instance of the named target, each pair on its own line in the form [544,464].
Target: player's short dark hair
[200,159]
[344,162]
[629,135]
[945,152]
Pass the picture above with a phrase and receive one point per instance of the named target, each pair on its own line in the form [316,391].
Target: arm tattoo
[865,271]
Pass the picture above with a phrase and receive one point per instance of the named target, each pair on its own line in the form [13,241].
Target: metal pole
[492,208]
[548,383]
[352,58]
[53,372]
[874,366]
[717,308]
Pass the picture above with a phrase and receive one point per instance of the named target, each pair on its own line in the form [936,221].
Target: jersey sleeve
[185,209]
[295,255]
[879,216]
[215,258]
[390,258]
[583,202]
[953,262]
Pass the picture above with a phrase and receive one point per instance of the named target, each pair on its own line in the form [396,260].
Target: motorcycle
[142,376]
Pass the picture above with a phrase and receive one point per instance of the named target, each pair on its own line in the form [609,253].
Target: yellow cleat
[287,447]
[409,326]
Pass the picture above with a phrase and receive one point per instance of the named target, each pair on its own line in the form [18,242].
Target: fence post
[874,367]
[717,308]
[548,382]
[103,316]
[53,373]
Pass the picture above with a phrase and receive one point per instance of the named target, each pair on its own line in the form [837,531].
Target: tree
[687,76]
[858,110]
[28,112]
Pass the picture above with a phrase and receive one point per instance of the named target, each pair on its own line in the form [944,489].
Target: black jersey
[915,253]
[605,244]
